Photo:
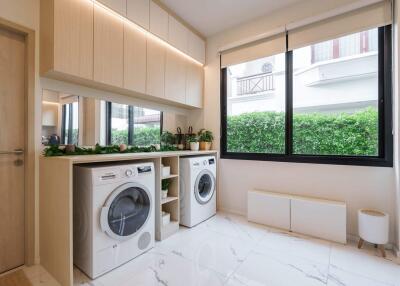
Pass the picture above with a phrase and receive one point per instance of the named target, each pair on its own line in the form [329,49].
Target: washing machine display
[204,187]
[126,211]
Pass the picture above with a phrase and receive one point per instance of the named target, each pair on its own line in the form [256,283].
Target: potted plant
[167,139]
[194,143]
[165,183]
[205,137]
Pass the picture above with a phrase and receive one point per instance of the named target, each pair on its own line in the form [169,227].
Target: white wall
[358,186]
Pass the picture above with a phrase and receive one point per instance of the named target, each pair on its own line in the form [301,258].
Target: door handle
[15,152]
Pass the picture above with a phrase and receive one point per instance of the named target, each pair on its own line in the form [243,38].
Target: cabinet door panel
[116,5]
[108,48]
[196,47]
[139,12]
[177,34]
[194,85]
[155,82]
[175,77]
[73,37]
[134,59]
[158,21]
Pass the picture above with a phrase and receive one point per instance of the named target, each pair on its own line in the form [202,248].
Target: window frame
[131,123]
[64,124]
[385,136]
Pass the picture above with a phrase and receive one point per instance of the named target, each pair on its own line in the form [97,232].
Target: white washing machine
[198,199]
[113,215]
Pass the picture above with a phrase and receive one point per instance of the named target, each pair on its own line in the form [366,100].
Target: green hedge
[144,136]
[316,133]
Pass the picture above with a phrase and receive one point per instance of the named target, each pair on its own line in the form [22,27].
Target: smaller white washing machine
[114,215]
[198,199]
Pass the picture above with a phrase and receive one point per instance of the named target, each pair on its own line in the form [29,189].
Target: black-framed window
[70,123]
[330,102]
[132,125]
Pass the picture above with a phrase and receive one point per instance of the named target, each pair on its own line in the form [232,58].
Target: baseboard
[225,210]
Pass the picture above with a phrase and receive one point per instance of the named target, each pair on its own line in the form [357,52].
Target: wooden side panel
[55,219]
[73,37]
[46,36]
[134,59]
[108,48]
[155,82]
[175,77]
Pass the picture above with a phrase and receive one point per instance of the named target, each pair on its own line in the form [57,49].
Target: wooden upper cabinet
[158,21]
[134,59]
[66,37]
[175,77]
[138,11]
[155,83]
[196,47]
[108,48]
[178,34]
[194,84]
[118,6]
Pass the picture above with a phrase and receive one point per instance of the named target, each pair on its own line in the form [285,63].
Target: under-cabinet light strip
[144,31]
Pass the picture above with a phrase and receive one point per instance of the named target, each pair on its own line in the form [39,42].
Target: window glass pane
[335,97]
[147,126]
[119,124]
[256,106]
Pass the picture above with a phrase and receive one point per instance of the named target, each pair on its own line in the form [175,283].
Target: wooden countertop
[126,156]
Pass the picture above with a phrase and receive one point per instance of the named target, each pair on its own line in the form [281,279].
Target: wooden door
[12,131]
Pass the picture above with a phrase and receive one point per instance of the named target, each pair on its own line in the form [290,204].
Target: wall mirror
[85,121]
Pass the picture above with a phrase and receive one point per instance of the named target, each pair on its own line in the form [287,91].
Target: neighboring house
[340,75]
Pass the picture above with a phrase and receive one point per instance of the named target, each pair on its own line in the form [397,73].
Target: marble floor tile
[365,263]
[226,250]
[297,245]
[339,277]
[211,250]
[277,270]
[166,269]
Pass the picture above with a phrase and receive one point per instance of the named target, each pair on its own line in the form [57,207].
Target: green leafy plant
[167,138]
[165,183]
[205,136]
[192,139]
[313,133]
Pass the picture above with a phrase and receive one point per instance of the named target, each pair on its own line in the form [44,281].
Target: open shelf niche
[171,203]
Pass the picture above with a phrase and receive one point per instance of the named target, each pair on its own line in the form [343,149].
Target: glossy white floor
[227,250]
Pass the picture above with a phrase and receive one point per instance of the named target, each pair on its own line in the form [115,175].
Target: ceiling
[212,16]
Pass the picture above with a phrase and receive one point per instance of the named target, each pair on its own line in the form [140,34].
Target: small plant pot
[194,146]
[205,146]
[164,194]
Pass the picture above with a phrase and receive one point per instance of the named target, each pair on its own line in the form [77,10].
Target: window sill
[311,159]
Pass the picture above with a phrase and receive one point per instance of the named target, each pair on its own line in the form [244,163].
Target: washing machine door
[204,187]
[126,211]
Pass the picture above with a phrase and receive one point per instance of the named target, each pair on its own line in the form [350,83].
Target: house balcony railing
[255,84]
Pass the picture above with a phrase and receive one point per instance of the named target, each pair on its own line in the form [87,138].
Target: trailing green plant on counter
[56,150]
